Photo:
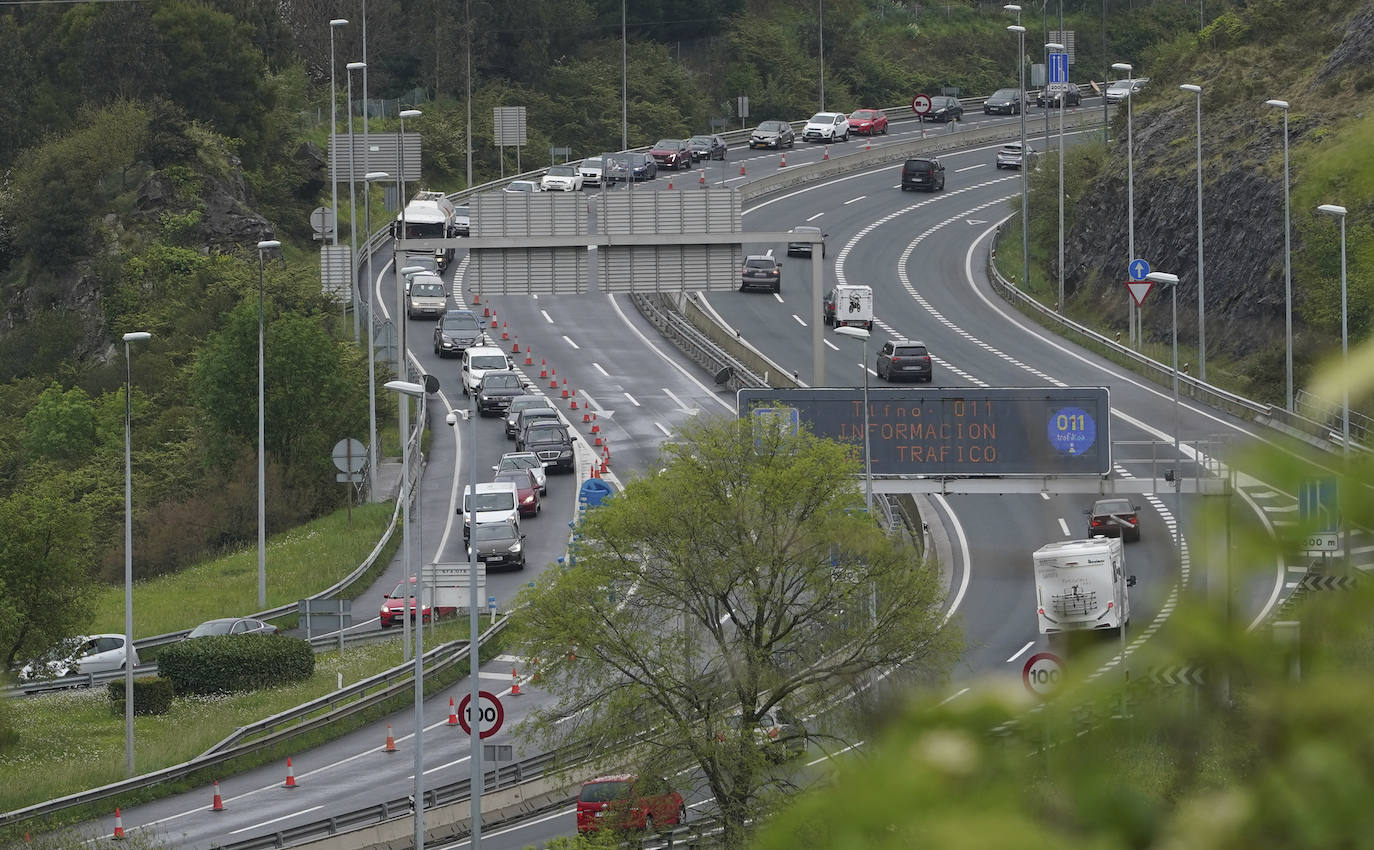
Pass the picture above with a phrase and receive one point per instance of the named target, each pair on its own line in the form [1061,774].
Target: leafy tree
[61,425]
[743,577]
[44,545]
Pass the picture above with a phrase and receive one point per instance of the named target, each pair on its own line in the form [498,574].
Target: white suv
[827,127]
[479,360]
[562,178]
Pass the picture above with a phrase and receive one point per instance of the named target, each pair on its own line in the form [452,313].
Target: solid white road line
[591,402]
[666,359]
[274,820]
[1022,651]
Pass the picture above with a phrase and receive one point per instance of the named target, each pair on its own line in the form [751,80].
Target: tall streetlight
[861,333]
[367,155]
[353,170]
[1025,149]
[820,34]
[1338,212]
[1201,313]
[474,663]
[624,111]
[406,559]
[403,411]
[1130,192]
[370,178]
[467,33]
[263,248]
[1171,281]
[136,336]
[334,166]
[1287,261]
[1054,47]
[405,391]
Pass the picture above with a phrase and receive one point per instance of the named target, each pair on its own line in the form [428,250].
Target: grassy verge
[81,744]
[300,562]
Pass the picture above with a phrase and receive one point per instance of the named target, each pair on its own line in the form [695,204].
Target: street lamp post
[368,180]
[1287,261]
[624,119]
[136,336]
[474,627]
[820,38]
[1132,320]
[1171,281]
[263,248]
[863,334]
[406,555]
[1054,47]
[467,34]
[1338,212]
[334,167]
[406,390]
[1201,310]
[1025,152]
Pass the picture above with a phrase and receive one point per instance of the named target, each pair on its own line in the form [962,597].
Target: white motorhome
[848,304]
[1080,585]
[431,215]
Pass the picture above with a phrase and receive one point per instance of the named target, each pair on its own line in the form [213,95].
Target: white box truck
[848,304]
[1080,585]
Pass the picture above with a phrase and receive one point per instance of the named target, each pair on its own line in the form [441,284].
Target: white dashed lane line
[816,216]
[547,317]
[833,346]
[569,341]
[970,167]
[632,399]
[855,200]
[799,320]
[598,368]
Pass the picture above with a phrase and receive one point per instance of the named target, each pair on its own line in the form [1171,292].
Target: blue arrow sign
[1059,67]
[1139,269]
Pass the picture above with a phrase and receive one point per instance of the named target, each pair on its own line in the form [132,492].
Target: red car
[628,802]
[869,122]
[672,153]
[394,606]
[526,489]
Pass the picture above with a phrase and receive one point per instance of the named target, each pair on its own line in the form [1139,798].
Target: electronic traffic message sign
[954,431]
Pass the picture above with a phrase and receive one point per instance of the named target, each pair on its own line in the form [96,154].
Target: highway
[924,255]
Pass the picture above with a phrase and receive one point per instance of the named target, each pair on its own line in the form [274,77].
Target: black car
[944,108]
[761,272]
[551,441]
[923,173]
[517,404]
[1114,518]
[495,391]
[627,166]
[803,249]
[904,359]
[457,330]
[772,134]
[1071,98]
[1004,101]
[497,544]
[707,147]
[232,626]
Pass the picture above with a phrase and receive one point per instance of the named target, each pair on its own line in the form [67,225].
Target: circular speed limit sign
[490,714]
[920,104]
[1042,673]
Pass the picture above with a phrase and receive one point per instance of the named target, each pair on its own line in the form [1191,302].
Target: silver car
[590,169]
[82,655]
[526,460]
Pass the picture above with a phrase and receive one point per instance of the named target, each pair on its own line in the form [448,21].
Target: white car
[590,169]
[479,360]
[89,654]
[525,460]
[564,178]
[426,296]
[1119,90]
[827,127]
[1009,156]
[518,186]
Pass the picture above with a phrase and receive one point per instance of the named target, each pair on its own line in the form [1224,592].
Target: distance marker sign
[964,431]
[490,714]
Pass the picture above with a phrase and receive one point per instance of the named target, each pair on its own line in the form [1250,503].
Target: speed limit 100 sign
[489,713]
[1042,673]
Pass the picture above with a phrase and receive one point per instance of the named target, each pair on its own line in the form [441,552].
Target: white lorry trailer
[1080,585]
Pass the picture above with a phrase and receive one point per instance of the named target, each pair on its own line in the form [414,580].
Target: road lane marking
[591,402]
[854,200]
[665,431]
[632,399]
[970,167]
[274,820]
[952,697]
[779,297]
[1022,651]
[833,346]
[547,317]
[816,216]
[1064,526]
[799,320]
[674,397]
[569,341]
[598,368]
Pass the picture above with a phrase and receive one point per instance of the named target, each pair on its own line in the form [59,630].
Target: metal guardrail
[659,311]
[279,727]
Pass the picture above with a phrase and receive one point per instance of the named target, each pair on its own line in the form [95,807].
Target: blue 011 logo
[1071,430]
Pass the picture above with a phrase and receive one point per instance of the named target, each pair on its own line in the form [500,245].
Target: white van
[427,296]
[479,360]
[494,501]
[848,304]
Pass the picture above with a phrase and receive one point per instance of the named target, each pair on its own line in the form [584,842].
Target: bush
[152,695]
[223,663]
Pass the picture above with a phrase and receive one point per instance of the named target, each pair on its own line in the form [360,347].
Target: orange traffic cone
[515,347]
[596,428]
[515,682]
[553,379]
[529,358]
[119,826]
[670,184]
[565,388]
[574,400]
[476,298]
[868,145]
[218,804]
[390,741]
[827,152]
[452,713]
[534,662]
[505,331]
[290,775]
[702,181]
[605,465]
[543,368]
[741,169]
[486,311]
[598,441]
[782,163]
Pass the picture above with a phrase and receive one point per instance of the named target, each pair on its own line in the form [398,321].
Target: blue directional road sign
[1139,269]
[1319,512]
[1059,67]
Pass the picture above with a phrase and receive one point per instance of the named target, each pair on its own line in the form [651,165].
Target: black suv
[550,441]
[1071,98]
[495,391]
[772,134]
[944,108]
[925,173]
[904,359]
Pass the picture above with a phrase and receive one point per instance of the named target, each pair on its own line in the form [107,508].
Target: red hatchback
[526,488]
[628,802]
[869,122]
[394,606]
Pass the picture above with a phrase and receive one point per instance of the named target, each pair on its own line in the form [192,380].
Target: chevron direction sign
[1316,582]
[1180,675]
